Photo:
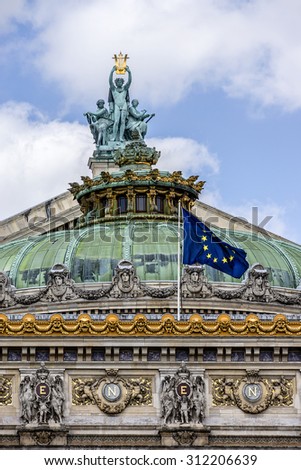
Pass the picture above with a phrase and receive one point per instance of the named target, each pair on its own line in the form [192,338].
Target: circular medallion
[183,389]
[43,390]
[111,392]
[252,392]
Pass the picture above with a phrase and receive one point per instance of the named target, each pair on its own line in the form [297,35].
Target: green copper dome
[92,253]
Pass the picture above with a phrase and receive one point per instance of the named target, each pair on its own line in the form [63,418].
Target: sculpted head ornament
[84,322]
[28,321]
[3,323]
[57,322]
[224,322]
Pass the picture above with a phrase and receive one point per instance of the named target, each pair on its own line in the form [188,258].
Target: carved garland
[126,284]
[141,326]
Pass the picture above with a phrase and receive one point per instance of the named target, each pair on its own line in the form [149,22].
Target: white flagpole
[179,261]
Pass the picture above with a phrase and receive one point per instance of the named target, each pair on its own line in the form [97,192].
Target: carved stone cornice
[263,442]
[154,177]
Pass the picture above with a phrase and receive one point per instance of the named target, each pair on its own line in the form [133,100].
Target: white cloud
[9,12]
[38,157]
[249,48]
[186,155]
[267,214]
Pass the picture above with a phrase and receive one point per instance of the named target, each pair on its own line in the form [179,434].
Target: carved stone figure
[168,400]
[60,285]
[194,282]
[257,285]
[198,400]
[184,410]
[99,123]
[26,399]
[41,397]
[57,399]
[125,282]
[5,290]
[43,411]
[182,398]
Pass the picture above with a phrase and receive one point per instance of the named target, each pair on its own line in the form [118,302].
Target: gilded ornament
[252,393]
[6,395]
[120,63]
[111,393]
[141,326]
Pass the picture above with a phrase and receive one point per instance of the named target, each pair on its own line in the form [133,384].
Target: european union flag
[204,247]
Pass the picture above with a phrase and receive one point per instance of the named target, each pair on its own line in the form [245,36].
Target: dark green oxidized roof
[93,252]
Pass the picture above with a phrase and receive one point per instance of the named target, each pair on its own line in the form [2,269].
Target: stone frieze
[127,285]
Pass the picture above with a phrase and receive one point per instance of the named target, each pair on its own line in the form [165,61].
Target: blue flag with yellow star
[204,247]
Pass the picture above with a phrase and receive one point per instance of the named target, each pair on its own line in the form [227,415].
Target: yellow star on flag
[224,260]
[205,247]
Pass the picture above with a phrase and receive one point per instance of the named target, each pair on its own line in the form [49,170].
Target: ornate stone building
[92,352]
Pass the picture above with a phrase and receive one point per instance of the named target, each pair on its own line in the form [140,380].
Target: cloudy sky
[222,76]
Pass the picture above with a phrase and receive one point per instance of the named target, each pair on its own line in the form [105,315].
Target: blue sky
[222,76]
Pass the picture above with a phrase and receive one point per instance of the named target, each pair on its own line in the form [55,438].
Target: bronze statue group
[123,121]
